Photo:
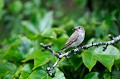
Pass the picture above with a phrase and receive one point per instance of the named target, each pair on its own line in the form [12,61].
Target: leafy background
[24,24]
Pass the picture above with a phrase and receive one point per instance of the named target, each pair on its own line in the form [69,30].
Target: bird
[75,39]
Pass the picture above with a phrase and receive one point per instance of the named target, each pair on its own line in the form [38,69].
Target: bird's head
[78,28]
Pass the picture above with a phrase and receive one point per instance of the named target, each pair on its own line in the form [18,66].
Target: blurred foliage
[24,24]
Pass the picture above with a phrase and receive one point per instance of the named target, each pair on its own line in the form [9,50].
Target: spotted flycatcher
[76,38]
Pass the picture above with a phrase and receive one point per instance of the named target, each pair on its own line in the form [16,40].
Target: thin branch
[116,39]
[74,51]
[48,47]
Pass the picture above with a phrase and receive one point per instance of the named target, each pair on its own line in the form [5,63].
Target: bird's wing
[72,39]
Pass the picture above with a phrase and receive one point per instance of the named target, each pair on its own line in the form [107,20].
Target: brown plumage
[72,39]
[76,38]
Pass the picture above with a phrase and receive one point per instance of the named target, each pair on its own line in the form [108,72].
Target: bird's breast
[79,40]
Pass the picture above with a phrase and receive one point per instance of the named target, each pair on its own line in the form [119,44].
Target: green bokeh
[24,24]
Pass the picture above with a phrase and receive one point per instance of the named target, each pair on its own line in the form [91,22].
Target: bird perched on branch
[76,38]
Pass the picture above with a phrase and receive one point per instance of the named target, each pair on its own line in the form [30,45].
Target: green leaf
[16,6]
[39,74]
[1,4]
[26,71]
[12,52]
[92,75]
[41,58]
[17,73]
[6,68]
[72,64]
[59,31]
[25,44]
[106,60]
[30,27]
[49,33]
[28,7]
[37,2]
[46,22]
[30,57]
[58,43]
[75,63]
[107,76]
[59,74]
[104,29]
[108,56]
[24,75]
[88,59]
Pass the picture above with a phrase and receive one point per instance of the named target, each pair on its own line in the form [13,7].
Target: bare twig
[74,51]
[48,47]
